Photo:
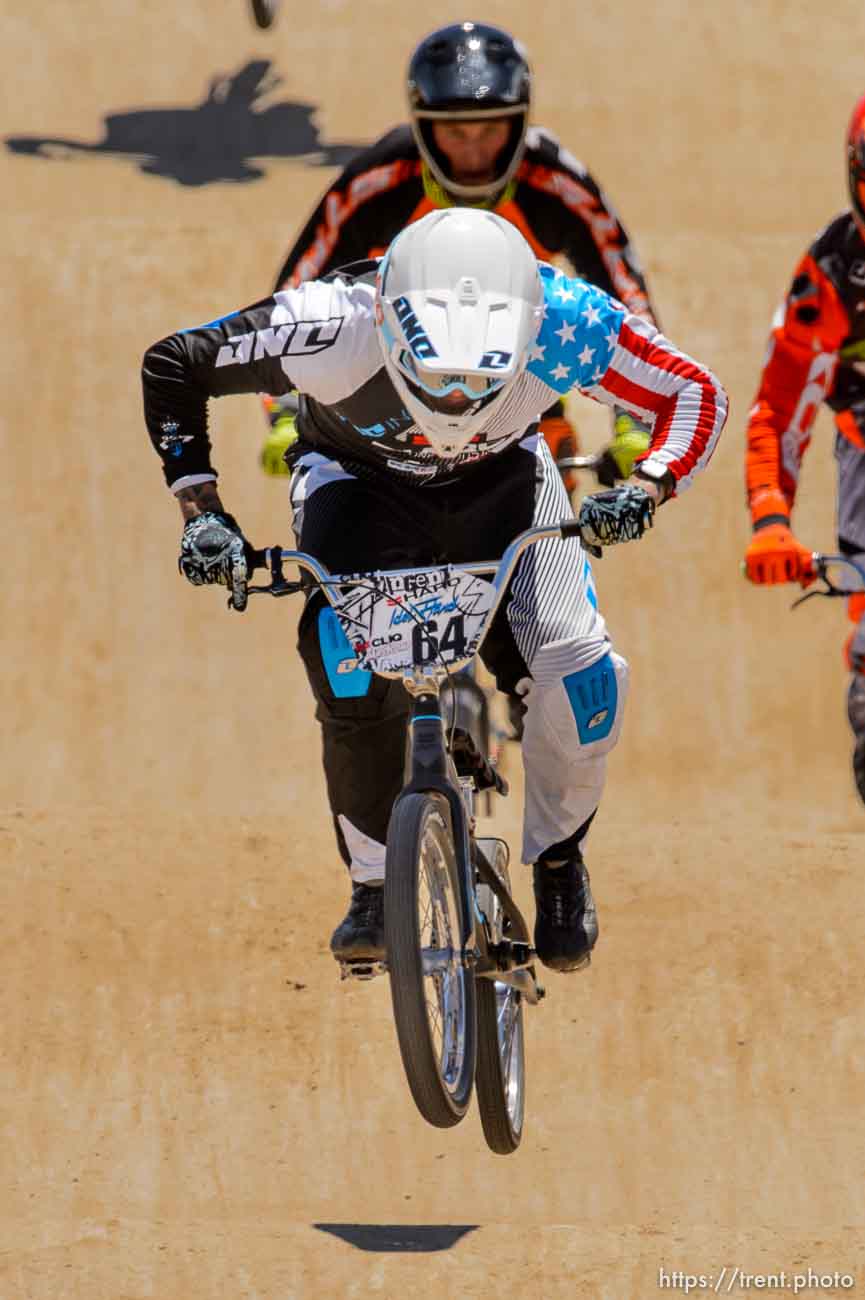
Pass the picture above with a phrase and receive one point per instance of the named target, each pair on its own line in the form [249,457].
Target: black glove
[620,515]
[606,470]
[213,549]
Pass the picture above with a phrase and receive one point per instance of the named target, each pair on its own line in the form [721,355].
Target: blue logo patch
[594,697]
[347,681]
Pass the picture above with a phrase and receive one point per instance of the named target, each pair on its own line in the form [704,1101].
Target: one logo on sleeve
[291,339]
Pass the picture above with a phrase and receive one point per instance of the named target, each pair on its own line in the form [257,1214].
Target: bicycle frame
[430,767]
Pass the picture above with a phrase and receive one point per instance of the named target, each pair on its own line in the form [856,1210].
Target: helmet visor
[441,391]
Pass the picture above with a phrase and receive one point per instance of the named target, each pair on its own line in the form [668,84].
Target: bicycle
[459,952]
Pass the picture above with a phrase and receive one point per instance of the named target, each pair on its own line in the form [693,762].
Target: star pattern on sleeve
[578,335]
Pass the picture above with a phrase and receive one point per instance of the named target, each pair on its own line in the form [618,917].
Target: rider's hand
[774,555]
[214,550]
[630,439]
[621,515]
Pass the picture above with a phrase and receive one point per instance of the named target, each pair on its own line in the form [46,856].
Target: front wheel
[501,1070]
[432,987]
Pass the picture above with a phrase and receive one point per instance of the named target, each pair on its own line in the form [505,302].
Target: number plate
[398,622]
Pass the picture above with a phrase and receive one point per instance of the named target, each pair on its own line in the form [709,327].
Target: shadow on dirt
[216,140]
[399,1238]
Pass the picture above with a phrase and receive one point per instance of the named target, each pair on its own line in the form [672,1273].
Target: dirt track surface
[191,1105]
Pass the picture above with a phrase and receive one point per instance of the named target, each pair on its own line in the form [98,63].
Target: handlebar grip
[572,528]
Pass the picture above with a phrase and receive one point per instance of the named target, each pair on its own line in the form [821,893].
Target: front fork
[430,770]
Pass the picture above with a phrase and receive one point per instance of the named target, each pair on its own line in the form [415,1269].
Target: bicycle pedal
[361,970]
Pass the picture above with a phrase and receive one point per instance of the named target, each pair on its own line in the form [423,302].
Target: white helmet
[459,304]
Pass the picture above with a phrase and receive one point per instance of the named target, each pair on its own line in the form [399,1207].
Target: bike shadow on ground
[221,139]
[399,1238]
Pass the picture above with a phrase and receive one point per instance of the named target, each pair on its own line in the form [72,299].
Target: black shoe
[566,926]
[360,936]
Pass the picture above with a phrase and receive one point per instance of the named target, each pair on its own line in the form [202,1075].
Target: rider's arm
[588,341]
[199,499]
[798,376]
[315,338]
[579,218]
[678,399]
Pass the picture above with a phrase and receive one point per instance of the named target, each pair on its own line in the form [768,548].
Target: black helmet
[463,72]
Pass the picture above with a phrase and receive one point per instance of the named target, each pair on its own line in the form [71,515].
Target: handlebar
[580,462]
[823,565]
[356,596]
[274,558]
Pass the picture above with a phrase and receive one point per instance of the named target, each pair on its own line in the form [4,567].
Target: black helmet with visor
[467,72]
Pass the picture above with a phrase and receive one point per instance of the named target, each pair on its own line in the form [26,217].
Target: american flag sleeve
[680,399]
[590,341]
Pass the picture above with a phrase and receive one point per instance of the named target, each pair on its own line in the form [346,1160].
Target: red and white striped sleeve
[681,400]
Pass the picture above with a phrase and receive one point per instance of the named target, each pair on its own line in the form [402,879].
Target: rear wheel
[501,1068]
[432,988]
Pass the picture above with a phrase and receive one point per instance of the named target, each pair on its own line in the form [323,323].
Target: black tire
[501,1069]
[437,1038]
[859,767]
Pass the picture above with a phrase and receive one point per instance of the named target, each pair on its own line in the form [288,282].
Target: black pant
[377,522]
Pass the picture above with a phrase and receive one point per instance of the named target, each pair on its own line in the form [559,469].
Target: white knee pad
[573,720]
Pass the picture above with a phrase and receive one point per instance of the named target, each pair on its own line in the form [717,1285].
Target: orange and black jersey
[816,355]
[552,200]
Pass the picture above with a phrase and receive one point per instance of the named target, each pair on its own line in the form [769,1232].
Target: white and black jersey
[320,338]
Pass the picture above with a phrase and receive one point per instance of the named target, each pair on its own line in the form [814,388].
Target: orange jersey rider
[817,355]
